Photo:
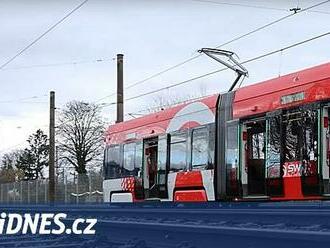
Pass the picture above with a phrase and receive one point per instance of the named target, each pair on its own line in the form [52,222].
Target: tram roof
[307,85]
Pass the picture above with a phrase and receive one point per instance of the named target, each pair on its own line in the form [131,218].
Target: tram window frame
[162,153]
[108,167]
[302,153]
[232,146]
[274,146]
[292,128]
[105,159]
[295,145]
[258,146]
[205,138]
[137,148]
[211,149]
[129,148]
[232,158]
[177,138]
[162,160]
[138,160]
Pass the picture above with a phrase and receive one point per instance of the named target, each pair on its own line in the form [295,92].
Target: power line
[230,41]
[221,45]
[254,6]
[286,48]
[272,23]
[58,64]
[42,35]
[223,69]
[23,99]
[151,77]
[240,5]
[162,72]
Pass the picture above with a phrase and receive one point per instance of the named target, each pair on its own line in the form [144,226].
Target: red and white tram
[267,141]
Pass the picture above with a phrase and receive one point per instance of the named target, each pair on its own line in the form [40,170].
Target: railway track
[191,225]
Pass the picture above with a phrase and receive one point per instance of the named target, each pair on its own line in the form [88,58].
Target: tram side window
[112,162]
[258,146]
[199,148]
[178,151]
[310,135]
[129,157]
[132,159]
[310,146]
[162,153]
[161,159]
[232,147]
[300,141]
[293,127]
[232,156]
[273,161]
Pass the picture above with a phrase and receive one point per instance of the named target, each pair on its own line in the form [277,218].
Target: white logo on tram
[194,112]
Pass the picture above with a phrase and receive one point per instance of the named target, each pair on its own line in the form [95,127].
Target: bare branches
[161,102]
[81,132]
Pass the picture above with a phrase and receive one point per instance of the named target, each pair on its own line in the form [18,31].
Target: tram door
[254,145]
[150,167]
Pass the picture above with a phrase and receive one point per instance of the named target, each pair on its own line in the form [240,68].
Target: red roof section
[266,96]
[153,124]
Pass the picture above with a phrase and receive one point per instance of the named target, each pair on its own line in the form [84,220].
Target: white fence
[36,191]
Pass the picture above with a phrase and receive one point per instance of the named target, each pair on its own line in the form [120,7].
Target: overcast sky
[152,35]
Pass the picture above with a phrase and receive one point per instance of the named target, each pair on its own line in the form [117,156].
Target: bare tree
[161,102]
[81,132]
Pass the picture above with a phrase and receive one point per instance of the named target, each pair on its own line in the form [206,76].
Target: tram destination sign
[292,98]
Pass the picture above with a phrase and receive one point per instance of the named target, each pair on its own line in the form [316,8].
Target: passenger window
[273,161]
[178,151]
[258,150]
[293,128]
[232,147]
[129,157]
[161,161]
[199,148]
[162,153]
[112,162]
[301,129]
[232,156]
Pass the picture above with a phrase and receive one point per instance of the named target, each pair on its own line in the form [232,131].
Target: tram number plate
[292,98]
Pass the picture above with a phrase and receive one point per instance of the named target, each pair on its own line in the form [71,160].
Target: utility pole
[51,187]
[56,167]
[120,88]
